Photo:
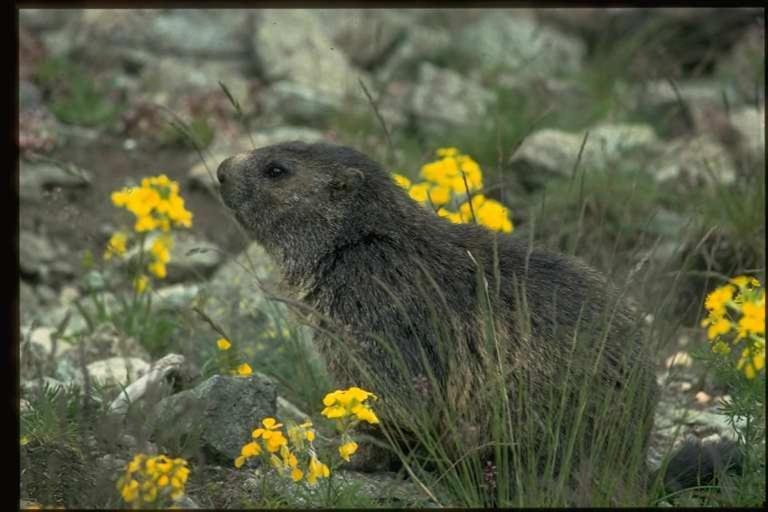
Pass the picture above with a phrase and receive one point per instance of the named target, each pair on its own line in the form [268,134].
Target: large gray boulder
[217,415]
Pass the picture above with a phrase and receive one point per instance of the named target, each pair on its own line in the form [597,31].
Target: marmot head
[295,196]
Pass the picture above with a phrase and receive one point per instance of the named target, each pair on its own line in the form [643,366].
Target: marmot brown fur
[406,297]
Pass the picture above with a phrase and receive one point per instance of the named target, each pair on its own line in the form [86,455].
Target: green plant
[75,97]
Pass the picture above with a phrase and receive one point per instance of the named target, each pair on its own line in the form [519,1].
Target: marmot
[405,297]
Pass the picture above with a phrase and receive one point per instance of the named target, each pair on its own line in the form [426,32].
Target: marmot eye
[274,170]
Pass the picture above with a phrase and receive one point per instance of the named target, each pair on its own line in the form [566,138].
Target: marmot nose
[221,172]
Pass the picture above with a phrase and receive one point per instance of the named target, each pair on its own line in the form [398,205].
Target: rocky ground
[528,93]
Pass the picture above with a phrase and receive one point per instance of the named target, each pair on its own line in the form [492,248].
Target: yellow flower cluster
[349,403]
[150,481]
[736,313]
[286,451]
[156,204]
[275,444]
[451,178]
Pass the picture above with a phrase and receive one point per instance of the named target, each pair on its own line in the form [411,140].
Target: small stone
[702,397]
[679,359]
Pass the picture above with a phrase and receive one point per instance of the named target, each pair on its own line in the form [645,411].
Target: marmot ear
[348,178]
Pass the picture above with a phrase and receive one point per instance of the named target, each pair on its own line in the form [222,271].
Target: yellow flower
[177,212]
[244,370]
[141,201]
[752,359]
[401,181]
[355,393]
[336,411]
[365,414]
[160,249]
[120,197]
[116,245]
[145,223]
[296,474]
[310,435]
[447,152]
[163,481]
[150,494]
[753,319]
[717,300]
[163,464]
[271,423]
[439,195]
[317,470]
[454,217]
[130,491]
[140,283]
[274,440]
[223,344]
[158,269]
[251,449]
[745,282]
[718,327]
[494,215]
[419,192]
[347,449]
[239,461]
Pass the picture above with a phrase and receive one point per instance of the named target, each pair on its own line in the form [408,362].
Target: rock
[33,386]
[42,260]
[513,40]
[72,320]
[420,44]
[703,398]
[218,415]
[744,64]
[366,36]
[140,35]
[236,297]
[549,153]
[68,295]
[106,341]
[29,302]
[287,411]
[683,107]
[192,258]
[39,133]
[41,20]
[176,76]
[299,103]
[383,488]
[40,176]
[174,297]
[30,96]
[164,374]
[42,343]
[115,371]
[694,162]
[749,122]
[444,96]
[291,45]
[681,359]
